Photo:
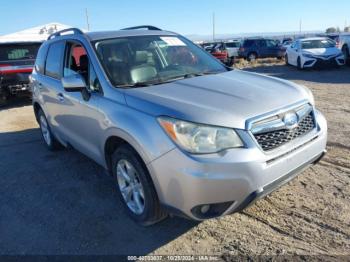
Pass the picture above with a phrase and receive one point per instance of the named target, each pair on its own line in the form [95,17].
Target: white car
[233,47]
[344,46]
[314,52]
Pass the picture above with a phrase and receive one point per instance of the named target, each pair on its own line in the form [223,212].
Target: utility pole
[87,19]
[213,26]
[300,27]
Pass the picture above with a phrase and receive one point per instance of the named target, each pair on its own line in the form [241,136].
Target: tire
[49,139]
[299,64]
[3,100]
[286,59]
[252,57]
[279,57]
[346,54]
[135,187]
[230,61]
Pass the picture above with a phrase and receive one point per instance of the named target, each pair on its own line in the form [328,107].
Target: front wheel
[286,59]
[135,187]
[299,64]
[345,51]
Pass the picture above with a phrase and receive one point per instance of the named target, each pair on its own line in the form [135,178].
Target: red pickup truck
[16,64]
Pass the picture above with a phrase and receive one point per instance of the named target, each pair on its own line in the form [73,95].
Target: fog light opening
[205,209]
[210,210]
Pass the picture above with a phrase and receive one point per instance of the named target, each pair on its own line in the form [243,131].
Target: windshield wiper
[190,75]
[142,84]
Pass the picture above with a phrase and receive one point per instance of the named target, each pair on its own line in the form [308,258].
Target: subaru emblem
[290,120]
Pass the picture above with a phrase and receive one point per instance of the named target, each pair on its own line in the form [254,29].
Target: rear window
[232,44]
[40,59]
[18,51]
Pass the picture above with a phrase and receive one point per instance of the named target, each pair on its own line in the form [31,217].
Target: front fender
[140,130]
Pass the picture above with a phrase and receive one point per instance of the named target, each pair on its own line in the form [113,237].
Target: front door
[81,117]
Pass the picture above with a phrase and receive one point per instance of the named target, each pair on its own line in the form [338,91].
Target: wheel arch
[36,107]
[116,138]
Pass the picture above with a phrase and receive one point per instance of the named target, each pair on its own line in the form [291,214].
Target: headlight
[198,138]
[308,55]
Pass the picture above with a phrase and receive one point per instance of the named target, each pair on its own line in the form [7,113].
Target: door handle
[60,97]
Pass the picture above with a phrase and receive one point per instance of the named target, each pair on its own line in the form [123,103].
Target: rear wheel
[135,187]
[230,61]
[49,139]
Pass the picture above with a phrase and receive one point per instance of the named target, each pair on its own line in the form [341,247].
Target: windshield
[18,51]
[147,60]
[312,44]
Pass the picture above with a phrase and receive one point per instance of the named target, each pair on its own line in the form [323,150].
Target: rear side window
[53,60]
[40,59]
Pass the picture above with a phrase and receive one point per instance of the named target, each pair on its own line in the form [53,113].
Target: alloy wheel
[130,186]
[45,130]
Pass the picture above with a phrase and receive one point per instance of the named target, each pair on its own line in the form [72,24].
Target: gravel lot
[63,203]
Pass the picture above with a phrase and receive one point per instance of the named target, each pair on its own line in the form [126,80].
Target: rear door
[272,48]
[48,81]
[293,53]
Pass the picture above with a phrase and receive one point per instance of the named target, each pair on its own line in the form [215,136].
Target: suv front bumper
[224,183]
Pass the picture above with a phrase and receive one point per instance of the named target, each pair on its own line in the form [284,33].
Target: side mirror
[73,83]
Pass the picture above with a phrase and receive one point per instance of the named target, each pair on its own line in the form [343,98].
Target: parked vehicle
[226,51]
[179,131]
[286,42]
[314,52]
[344,46]
[253,48]
[16,64]
[208,46]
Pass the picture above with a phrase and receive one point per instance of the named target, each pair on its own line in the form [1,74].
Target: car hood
[322,51]
[226,99]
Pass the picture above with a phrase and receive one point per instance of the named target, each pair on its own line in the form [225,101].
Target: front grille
[325,63]
[273,139]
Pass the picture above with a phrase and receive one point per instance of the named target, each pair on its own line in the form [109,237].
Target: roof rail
[59,33]
[148,27]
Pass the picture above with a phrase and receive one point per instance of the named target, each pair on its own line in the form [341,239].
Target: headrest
[141,57]
[83,62]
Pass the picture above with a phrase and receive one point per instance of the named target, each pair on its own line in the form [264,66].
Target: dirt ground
[63,203]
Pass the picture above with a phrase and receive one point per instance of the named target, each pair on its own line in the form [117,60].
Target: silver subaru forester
[180,132]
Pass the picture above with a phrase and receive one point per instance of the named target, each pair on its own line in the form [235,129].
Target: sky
[188,17]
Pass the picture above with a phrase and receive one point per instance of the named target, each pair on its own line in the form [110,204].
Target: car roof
[100,35]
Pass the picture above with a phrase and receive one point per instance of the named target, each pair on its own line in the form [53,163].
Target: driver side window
[77,62]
